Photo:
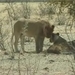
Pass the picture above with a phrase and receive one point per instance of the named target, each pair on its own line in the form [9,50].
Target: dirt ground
[32,63]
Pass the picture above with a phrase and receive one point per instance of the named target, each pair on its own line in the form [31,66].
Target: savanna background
[59,13]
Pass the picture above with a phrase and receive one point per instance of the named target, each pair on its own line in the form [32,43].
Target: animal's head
[48,30]
[54,37]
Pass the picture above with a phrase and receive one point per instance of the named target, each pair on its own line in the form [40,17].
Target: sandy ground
[37,64]
[32,63]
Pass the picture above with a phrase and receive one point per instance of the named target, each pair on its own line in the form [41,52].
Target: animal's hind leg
[22,42]
[12,56]
[16,43]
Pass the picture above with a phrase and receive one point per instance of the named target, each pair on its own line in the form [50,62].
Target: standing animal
[38,29]
[59,44]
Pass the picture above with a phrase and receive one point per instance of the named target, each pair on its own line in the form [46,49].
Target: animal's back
[32,27]
[60,41]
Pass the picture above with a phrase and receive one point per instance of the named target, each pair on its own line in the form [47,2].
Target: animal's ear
[58,34]
[53,26]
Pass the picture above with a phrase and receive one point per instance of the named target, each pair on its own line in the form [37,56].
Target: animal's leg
[22,42]
[16,43]
[41,40]
[37,45]
[12,56]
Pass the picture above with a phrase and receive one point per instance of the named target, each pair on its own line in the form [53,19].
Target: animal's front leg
[37,45]
[41,40]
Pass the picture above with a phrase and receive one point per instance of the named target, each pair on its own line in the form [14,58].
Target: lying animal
[60,45]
